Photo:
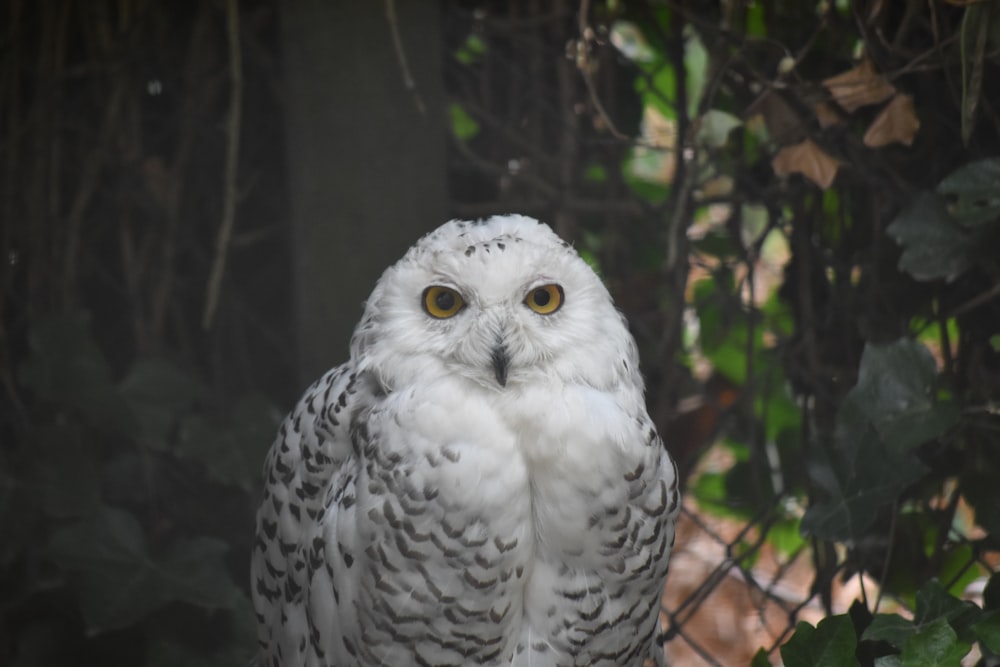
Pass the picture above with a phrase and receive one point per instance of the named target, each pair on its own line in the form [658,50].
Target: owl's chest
[529,468]
[452,466]
[490,515]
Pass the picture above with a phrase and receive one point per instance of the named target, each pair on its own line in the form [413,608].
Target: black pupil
[444,300]
[542,297]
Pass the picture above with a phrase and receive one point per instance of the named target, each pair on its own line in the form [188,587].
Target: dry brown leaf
[808,159]
[826,115]
[859,87]
[719,186]
[783,123]
[896,122]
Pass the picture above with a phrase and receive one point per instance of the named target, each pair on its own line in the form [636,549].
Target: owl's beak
[500,361]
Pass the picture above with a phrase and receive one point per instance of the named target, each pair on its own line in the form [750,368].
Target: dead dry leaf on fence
[896,122]
[826,115]
[859,87]
[783,123]
[808,159]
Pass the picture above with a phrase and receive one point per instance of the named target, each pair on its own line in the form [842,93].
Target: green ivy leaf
[716,244]
[859,475]
[472,50]
[934,245]
[158,392]
[119,583]
[232,451]
[934,645]
[760,659]
[463,126]
[64,475]
[108,555]
[987,630]
[830,644]
[955,567]
[639,163]
[657,87]
[66,368]
[896,394]
[933,604]
[785,536]
[169,647]
[891,628]
[756,21]
[974,190]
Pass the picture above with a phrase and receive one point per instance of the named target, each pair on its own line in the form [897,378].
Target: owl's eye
[545,300]
[442,302]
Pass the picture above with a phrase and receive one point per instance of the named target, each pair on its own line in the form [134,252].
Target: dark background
[197,197]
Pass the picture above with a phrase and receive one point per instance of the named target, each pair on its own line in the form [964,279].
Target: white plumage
[480,483]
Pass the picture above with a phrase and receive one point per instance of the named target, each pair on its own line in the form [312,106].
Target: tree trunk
[366,155]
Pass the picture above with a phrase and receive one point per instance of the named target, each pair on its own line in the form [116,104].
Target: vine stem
[230,194]
[404,63]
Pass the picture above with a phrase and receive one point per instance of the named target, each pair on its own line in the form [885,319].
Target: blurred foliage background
[796,204]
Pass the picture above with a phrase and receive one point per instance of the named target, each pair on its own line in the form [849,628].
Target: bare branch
[230,194]
[404,63]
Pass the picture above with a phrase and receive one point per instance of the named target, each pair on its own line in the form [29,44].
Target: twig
[538,184]
[404,64]
[590,206]
[884,576]
[569,139]
[582,62]
[197,89]
[232,160]
[976,301]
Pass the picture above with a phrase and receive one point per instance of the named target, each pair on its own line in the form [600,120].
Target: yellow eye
[442,302]
[545,300]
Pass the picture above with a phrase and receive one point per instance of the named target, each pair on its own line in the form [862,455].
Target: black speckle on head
[501,246]
[470,250]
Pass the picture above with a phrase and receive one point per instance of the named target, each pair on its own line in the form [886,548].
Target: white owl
[480,483]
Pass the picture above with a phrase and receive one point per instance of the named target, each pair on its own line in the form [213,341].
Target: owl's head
[500,302]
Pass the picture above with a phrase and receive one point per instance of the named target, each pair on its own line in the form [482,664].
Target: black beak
[500,364]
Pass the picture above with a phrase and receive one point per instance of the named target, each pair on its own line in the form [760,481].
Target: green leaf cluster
[861,381]
[105,482]
[870,459]
[940,634]
[943,230]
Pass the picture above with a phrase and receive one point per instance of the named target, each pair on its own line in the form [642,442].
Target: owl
[480,483]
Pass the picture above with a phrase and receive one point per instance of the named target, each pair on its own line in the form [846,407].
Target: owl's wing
[312,445]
